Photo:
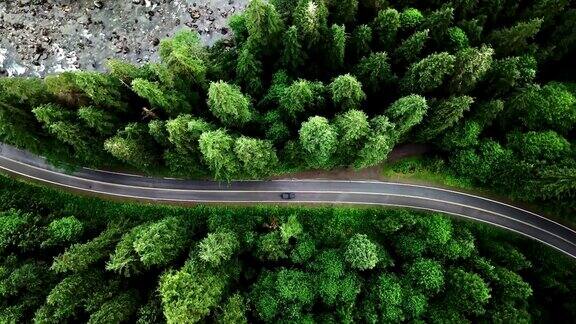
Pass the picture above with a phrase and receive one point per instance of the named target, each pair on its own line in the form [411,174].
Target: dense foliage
[321,84]
[66,259]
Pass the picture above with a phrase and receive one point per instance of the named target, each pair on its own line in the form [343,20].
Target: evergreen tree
[509,73]
[63,230]
[537,146]
[310,17]
[346,92]
[229,104]
[170,101]
[407,112]
[217,149]
[103,122]
[374,151]
[157,129]
[131,149]
[550,106]
[185,57]
[428,74]
[190,294]
[438,22]
[264,25]
[258,157]
[469,68]
[344,11]
[466,292]
[411,47]
[301,96]
[124,71]
[360,41]
[457,39]
[443,116]
[337,47]
[217,248]
[374,72]
[184,132]
[292,54]
[102,89]
[361,253]
[249,70]
[118,309]
[319,141]
[82,256]
[352,128]
[514,40]
[160,243]
[426,276]
[410,18]
[386,26]
[234,311]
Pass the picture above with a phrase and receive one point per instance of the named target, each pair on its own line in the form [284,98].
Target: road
[129,186]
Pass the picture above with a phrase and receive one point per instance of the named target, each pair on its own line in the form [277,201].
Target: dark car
[288,195]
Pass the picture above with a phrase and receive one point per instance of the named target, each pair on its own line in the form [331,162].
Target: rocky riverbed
[39,37]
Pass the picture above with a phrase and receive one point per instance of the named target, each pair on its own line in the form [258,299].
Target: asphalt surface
[129,186]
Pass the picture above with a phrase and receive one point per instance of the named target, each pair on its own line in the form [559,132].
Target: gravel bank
[39,37]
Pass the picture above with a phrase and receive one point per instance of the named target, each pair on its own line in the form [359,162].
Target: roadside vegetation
[303,85]
[319,84]
[66,258]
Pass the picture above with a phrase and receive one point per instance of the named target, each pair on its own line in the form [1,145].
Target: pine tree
[469,68]
[292,54]
[346,92]
[301,96]
[258,157]
[217,149]
[514,40]
[407,112]
[443,116]
[386,26]
[319,141]
[249,70]
[264,25]
[229,104]
[344,11]
[102,121]
[310,17]
[172,102]
[411,47]
[374,72]
[428,74]
[337,47]
[185,57]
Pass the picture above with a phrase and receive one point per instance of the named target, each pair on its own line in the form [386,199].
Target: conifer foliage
[273,97]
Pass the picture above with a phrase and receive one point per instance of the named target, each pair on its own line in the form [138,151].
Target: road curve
[113,184]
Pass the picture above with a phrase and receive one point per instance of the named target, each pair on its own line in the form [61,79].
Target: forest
[315,84]
[301,85]
[71,259]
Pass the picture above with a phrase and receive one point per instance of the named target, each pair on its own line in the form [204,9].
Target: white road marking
[254,191]
[288,202]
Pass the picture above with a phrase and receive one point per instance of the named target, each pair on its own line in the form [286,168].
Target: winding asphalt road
[113,184]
